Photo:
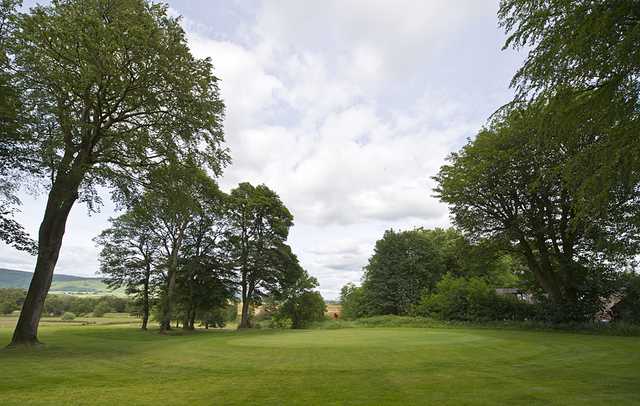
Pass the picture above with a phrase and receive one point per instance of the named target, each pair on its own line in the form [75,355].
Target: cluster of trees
[12,299]
[408,266]
[185,249]
[105,95]
[554,178]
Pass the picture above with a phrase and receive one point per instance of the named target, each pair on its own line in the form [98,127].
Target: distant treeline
[11,299]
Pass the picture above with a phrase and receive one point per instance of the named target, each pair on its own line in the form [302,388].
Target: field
[110,364]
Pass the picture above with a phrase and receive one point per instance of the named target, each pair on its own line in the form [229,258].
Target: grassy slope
[61,283]
[373,366]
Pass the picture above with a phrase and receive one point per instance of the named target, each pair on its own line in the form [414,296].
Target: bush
[301,310]
[470,299]
[100,309]
[68,316]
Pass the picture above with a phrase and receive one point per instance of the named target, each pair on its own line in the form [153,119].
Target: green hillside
[68,284]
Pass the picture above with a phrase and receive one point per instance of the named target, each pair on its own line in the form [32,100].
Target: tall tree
[128,258]
[205,280]
[177,195]
[259,226]
[403,265]
[112,90]
[507,184]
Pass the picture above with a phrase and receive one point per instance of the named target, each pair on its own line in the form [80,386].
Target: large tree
[259,226]
[177,196]
[112,90]
[507,184]
[403,265]
[128,258]
[587,53]
[205,281]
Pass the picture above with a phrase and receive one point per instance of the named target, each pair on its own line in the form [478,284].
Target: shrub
[302,310]
[68,316]
[100,309]
[470,299]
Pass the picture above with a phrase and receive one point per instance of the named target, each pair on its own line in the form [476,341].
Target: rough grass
[117,364]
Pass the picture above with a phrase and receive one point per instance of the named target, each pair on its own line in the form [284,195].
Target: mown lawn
[107,364]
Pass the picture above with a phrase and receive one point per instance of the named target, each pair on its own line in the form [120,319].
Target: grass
[111,364]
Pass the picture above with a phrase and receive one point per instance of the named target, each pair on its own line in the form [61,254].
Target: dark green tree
[205,281]
[14,156]
[584,61]
[259,226]
[507,185]
[128,258]
[403,265]
[112,90]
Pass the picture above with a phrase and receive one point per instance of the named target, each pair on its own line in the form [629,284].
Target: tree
[112,90]
[507,185]
[259,226]
[296,301]
[206,282]
[351,300]
[12,154]
[128,258]
[403,265]
[584,59]
[177,195]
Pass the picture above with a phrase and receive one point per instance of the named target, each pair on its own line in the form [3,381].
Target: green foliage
[583,61]
[506,185]
[470,299]
[11,299]
[258,227]
[628,309]
[68,316]
[352,302]
[302,310]
[407,263]
[100,309]
[403,265]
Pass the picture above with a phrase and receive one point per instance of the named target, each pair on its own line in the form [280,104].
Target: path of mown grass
[357,366]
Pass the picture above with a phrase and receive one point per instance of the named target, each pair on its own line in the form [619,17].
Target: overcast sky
[344,108]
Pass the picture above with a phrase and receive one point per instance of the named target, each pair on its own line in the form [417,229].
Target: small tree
[129,250]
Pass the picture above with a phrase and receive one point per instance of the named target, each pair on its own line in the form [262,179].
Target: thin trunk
[62,196]
[167,305]
[244,314]
[145,298]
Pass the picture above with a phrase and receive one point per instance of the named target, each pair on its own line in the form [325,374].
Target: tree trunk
[145,299]
[62,196]
[167,302]
[244,317]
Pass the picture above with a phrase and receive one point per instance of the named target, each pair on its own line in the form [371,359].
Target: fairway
[107,364]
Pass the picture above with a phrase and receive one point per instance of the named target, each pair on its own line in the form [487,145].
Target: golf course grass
[118,364]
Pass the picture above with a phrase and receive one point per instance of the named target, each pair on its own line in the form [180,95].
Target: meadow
[112,361]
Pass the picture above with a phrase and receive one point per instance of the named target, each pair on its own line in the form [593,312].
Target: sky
[346,108]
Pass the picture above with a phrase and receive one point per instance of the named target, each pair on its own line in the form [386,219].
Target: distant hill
[67,284]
